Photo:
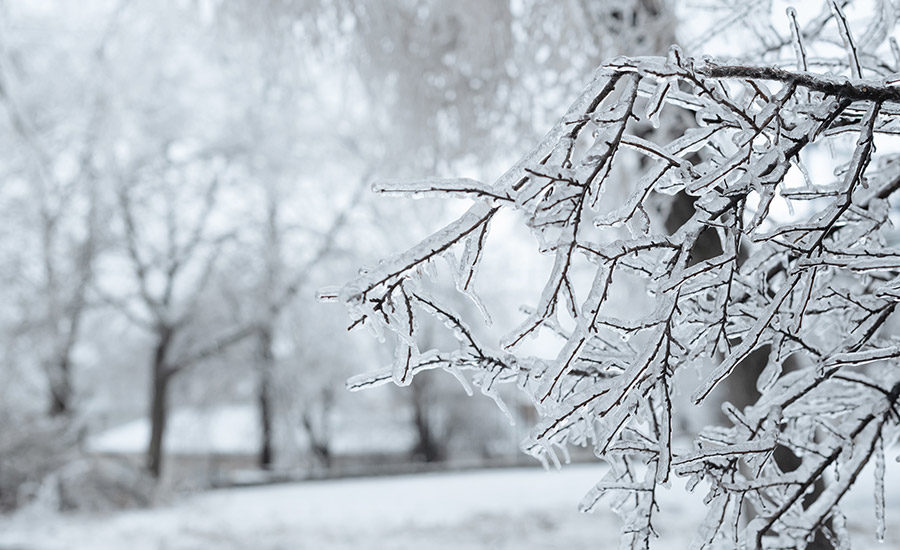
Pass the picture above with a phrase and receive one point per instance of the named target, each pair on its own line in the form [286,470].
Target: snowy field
[497,509]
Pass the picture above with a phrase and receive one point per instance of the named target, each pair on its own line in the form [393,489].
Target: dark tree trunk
[266,362]
[61,391]
[318,444]
[428,448]
[322,454]
[61,388]
[320,434]
[159,406]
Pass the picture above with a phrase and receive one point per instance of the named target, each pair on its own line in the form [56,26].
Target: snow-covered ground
[497,509]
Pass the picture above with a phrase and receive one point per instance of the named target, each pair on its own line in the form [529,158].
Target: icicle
[567,458]
[839,526]
[376,329]
[664,463]
[640,223]
[467,269]
[501,404]
[461,378]
[656,102]
[770,373]
[879,490]
[550,454]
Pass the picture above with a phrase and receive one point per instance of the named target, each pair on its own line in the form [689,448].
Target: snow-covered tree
[177,174]
[54,197]
[788,163]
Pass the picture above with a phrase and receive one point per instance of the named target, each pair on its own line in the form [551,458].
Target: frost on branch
[805,268]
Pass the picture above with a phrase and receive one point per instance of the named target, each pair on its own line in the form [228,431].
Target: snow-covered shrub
[780,163]
[99,484]
[41,465]
[31,450]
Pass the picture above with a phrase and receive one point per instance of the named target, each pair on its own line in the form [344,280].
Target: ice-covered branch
[769,261]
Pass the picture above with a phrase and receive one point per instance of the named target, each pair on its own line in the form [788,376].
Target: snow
[518,508]
[522,508]
[357,438]
[234,430]
[220,430]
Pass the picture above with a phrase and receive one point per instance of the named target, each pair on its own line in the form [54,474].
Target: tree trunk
[319,432]
[318,441]
[61,391]
[61,388]
[159,406]
[428,447]
[265,364]
[61,372]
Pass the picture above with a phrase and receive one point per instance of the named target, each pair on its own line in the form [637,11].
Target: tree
[57,156]
[170,284]
[277,292]
[172,182]
[804,268]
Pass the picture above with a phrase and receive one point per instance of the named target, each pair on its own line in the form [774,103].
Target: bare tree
[171,277]
[68,210]
[278,290]
[804,267]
